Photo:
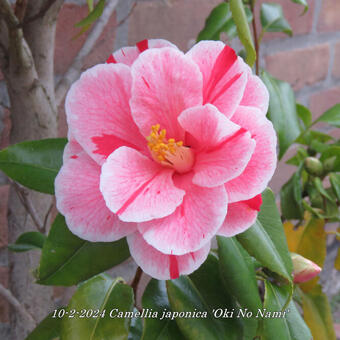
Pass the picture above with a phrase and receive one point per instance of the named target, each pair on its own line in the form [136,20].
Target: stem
[136,280]
[256,41]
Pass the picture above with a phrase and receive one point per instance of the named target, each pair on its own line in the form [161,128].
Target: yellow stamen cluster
[159,145]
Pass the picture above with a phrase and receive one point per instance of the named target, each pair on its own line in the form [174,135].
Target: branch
[135,281]
[26,202]
[7,294]
[47,5]
[74,71]
[8,15]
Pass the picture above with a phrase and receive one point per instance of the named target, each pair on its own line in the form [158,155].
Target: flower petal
[207,125]
[224,74]
[127,55]
[241,215]
[136,188]
[262,164]
[256,94]
[98,114]
[162,266]
[165,82]
[194,222]
[80,201]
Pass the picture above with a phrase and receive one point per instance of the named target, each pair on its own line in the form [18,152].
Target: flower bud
[304,269]
[313,166]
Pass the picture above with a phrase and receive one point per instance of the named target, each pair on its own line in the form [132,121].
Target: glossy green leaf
[273,20]
[67,260]
[291,196]
[335,183]
[317,314]
[93,15]
[34,164]
[184,297]
[311,135]
[332,151]
[288,326]
[28,241]
[220,20]
[300,155]
[319,186]
[238,273]
[331,116]
[48,329]
[90,5]
[282,111]
[266,240]
[303,3]
[155,298]
[136,328]
[244,34]
[304,114]
[104,296]
[209,283]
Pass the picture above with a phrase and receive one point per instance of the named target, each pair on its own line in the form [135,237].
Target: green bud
[313,166]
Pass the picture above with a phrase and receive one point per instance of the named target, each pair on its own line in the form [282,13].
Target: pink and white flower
[168,149]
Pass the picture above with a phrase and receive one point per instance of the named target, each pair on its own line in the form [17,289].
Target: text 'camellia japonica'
[168,149]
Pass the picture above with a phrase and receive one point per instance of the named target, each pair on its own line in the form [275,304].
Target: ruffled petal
[98,113]
[224,75]
[241,216]
[162,266]
[127,55]
[165,83]
[136,188]
[194,222]
[256,94]
[262,164]
[207,126]
[80,201]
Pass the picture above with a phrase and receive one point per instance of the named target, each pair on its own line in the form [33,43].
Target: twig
[47,215]
[135,282]
[7,294]
[26,202]
[257,45]
[121,22]
[41,13]
[73,72]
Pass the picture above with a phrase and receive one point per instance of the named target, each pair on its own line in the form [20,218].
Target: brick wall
[310,61]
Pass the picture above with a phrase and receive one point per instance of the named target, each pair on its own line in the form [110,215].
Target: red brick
[4,192]
[329,16]
[301,24]
[322,101]
[4,306]
[300,67]
[336,66]
[67,47]
[177,21]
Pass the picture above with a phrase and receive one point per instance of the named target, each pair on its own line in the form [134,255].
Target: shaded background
[309,61]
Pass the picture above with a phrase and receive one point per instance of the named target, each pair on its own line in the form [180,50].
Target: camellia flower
[168,149]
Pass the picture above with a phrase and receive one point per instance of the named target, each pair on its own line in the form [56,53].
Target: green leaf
[331,116]
[273,20]
[240,19]
[306,138]
[282,111]
[103,296]
[136,328]
[28,241]
[317,314]
[34,164]
[67,260]
[266,240]
[184,297]
[303,3]
[90,5]
[48,329]
[332,151]
[238,273]
[291,196]
[155,298]
[300,155]
[335,183]
[289,327]
[93,15]
[319,186]
[304,114]
[220,20]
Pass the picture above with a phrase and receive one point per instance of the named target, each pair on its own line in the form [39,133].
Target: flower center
[168,152]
